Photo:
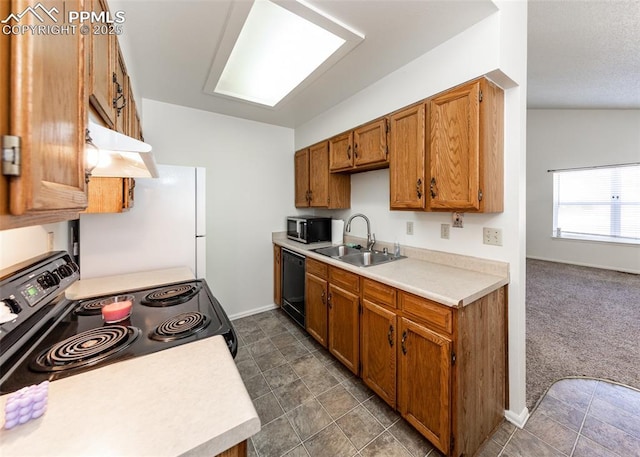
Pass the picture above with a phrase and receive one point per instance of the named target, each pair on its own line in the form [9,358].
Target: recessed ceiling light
[276,50]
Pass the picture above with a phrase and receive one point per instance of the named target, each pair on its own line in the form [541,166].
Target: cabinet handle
[120,94]
[433,188]
[310,196]
[355,150]
[322,297]
[404,338]
[329,300]
[419,188]
[349,152]
[390,336]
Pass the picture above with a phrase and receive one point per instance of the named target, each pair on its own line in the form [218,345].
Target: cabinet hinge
[480,95]
[480,195]
[388,127]
[11,153]
[386,150]
[453,358]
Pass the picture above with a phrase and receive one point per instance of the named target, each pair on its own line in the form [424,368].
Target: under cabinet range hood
[114,155]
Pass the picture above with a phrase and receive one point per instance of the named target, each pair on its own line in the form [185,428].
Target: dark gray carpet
[580,322]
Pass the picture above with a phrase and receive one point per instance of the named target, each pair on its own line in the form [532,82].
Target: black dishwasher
[293,285]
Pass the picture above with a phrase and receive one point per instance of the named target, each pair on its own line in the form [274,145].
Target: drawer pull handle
[404,338]
[390,336]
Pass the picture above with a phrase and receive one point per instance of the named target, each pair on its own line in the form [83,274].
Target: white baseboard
[517,419]
[253,311]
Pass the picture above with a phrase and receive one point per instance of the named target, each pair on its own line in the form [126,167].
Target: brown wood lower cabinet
[379,336]
[443,368]
[424,382]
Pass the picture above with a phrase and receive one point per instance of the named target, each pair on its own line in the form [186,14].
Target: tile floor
[310,405]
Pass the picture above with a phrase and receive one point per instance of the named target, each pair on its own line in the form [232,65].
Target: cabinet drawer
[438,316]
[344,279]
[316,268]
[379,293]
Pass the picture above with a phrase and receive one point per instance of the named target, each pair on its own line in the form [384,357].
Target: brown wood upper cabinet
[314,185]
[361,149]
[43,94]
[465,148]
[102,86]
[110,195]
[407,173]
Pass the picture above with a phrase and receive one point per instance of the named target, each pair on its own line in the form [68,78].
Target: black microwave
[309,229]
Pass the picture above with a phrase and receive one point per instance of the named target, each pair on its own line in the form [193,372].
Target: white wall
[249,193]
[559,139]
[495,46]
[21,244]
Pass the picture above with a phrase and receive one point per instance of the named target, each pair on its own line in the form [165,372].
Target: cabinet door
[316,308]
[379,333]
[301,165]
[319,175]
[48,112]
[424,382]
[343,327]
[341,152]
[121,94]
[407,158]
[370,143]
[454,150]
[277,275]
[101,69]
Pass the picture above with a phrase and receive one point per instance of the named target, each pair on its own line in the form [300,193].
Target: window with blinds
[597,203]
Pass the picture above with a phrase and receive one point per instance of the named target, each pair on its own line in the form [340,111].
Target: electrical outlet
[409,227]
[458,220]
[492,236]
[444,231]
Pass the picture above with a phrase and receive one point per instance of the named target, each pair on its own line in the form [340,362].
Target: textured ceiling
[584,54]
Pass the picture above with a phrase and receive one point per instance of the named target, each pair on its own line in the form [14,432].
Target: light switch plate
[409,227]
[444,231]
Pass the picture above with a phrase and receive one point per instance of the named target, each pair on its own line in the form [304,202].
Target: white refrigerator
[166,228]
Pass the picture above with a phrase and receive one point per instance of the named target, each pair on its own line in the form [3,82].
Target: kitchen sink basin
[337,251]
[369,258]
[356,256]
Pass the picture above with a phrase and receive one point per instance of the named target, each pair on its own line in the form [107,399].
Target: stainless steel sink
[357,257]
[337,251]
[370,258]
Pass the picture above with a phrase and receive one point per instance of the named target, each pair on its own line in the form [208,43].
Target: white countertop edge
[486,283]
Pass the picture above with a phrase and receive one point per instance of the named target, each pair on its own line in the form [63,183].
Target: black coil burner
[180,326]
[86,348]
[172,295]
[90,308]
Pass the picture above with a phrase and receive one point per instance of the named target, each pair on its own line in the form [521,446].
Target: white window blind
[597,203]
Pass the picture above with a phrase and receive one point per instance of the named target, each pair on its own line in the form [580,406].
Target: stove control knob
[12,304]
[9,310]
[64,271]
[47,280]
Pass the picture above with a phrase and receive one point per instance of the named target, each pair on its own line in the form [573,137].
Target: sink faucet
[371,237]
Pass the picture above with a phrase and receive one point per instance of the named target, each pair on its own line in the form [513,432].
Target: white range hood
[115,155]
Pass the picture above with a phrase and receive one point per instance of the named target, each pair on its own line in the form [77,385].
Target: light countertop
[94,287]
[433,275]
[186,400]
[189,400]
